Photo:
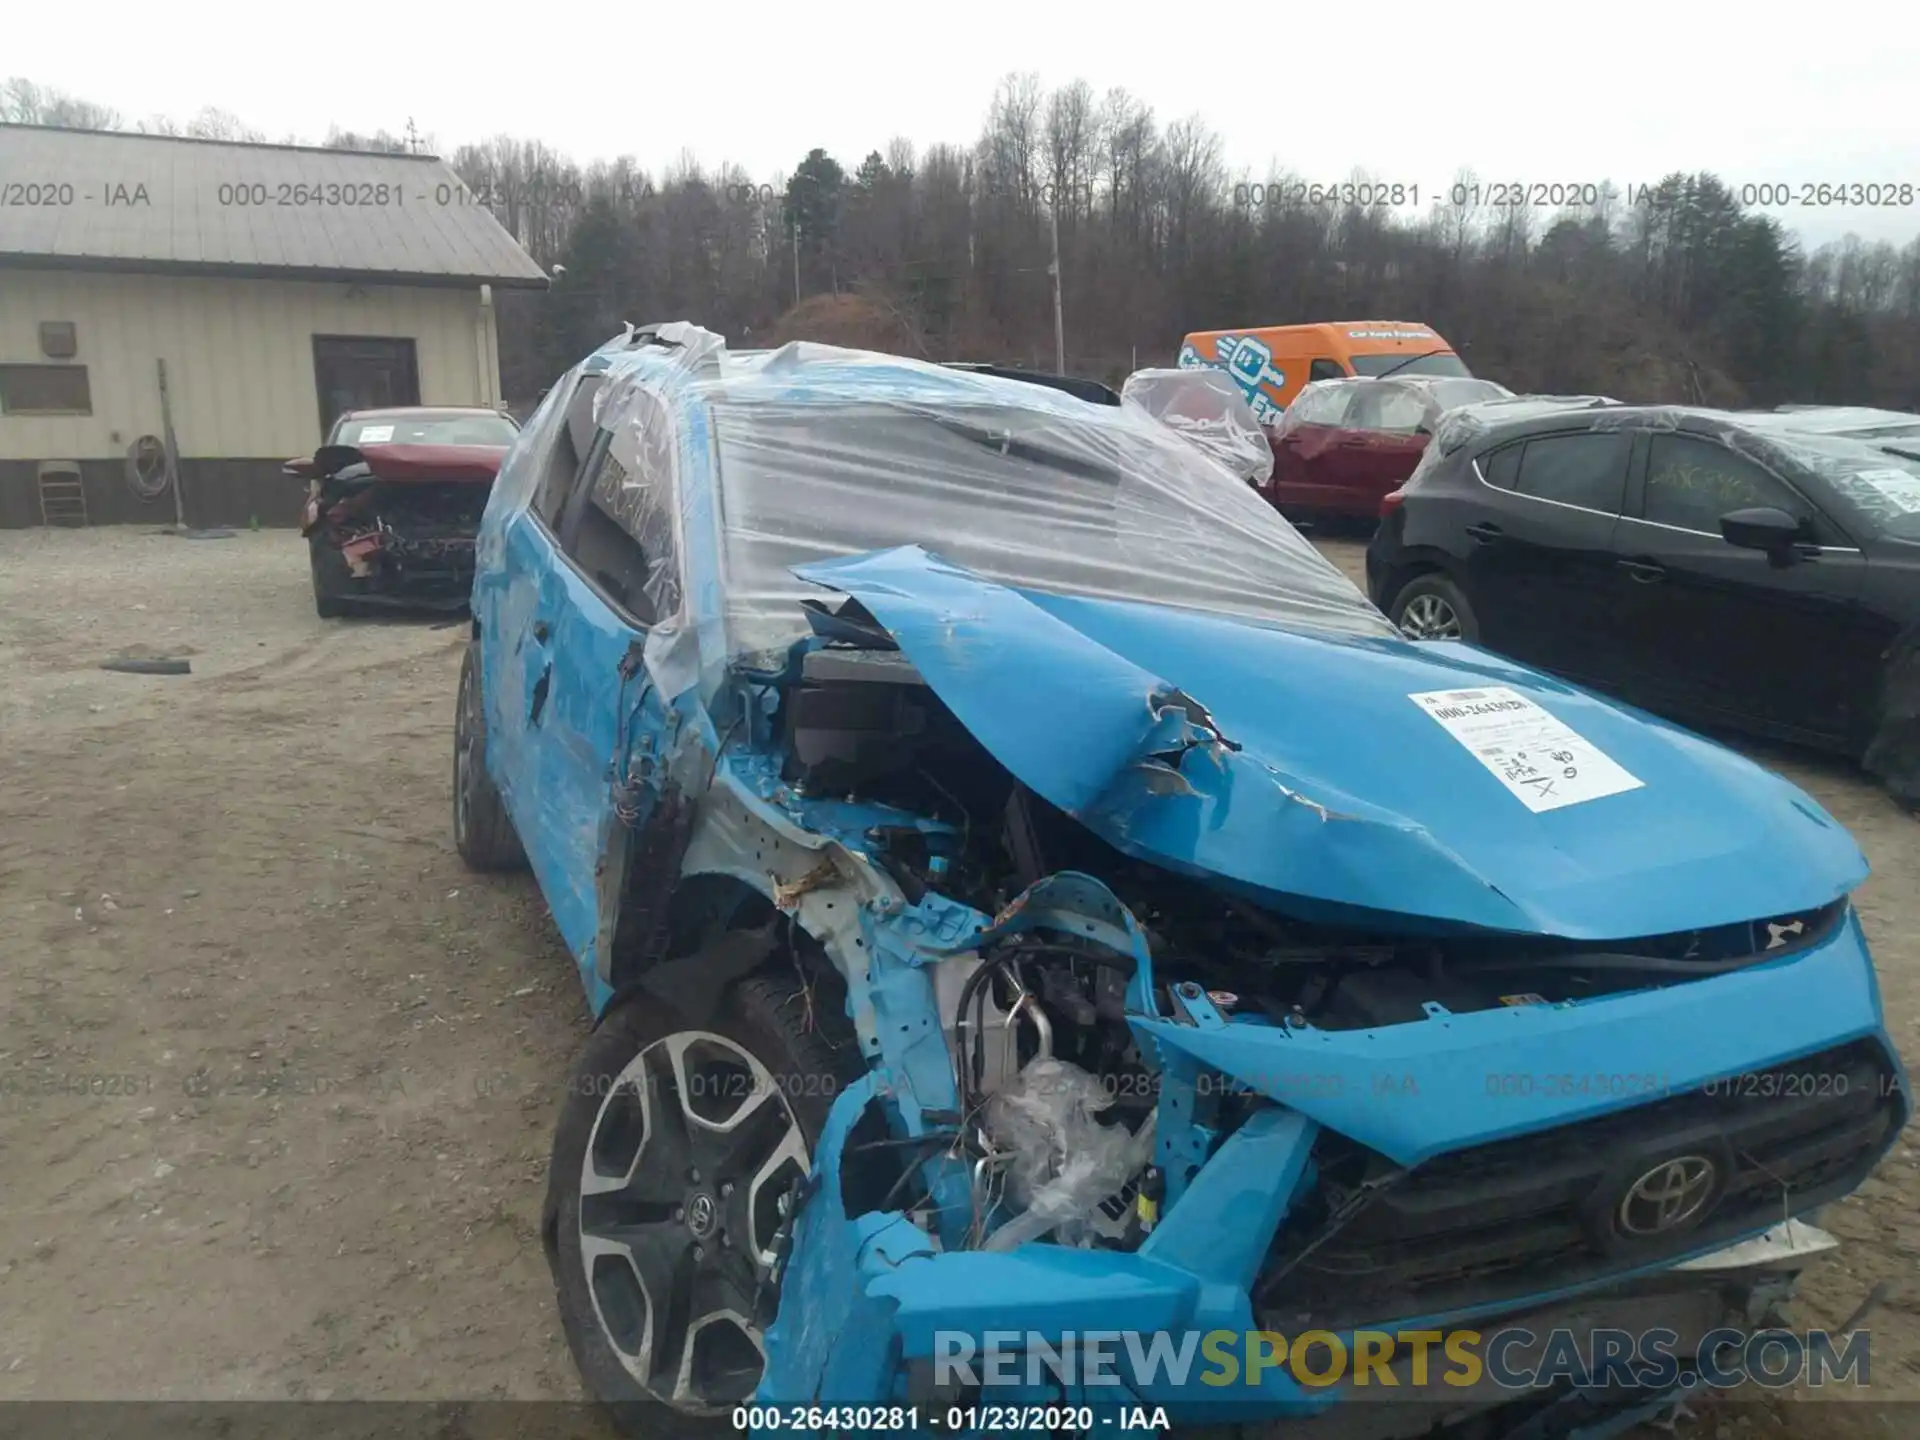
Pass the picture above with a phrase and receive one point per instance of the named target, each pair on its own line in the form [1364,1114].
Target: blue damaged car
[1024,890]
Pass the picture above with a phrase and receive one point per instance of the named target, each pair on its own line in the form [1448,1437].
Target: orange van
[1271,363]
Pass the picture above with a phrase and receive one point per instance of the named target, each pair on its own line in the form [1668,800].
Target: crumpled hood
[1302,769]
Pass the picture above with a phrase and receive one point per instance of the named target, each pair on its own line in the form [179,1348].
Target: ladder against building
[63,497]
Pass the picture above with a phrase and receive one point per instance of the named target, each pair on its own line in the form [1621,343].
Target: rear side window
[1587,470]
[1502,467]
[1691,483]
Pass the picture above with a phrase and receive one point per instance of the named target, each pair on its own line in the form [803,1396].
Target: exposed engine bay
[1057,1101]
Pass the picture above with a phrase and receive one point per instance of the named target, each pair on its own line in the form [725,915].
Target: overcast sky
[1412,92]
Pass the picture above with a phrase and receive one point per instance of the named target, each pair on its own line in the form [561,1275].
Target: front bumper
[871,1305]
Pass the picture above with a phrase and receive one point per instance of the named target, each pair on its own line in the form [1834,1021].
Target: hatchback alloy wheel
[1429,617]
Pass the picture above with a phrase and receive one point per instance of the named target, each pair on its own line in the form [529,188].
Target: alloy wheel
[1429,617]
[688,1171]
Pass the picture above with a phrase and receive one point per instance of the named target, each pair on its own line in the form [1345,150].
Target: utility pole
[1059,325]
[796,259]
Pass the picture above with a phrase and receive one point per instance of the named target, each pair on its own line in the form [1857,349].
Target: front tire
[1432,607]
[675,1147]
[482,830]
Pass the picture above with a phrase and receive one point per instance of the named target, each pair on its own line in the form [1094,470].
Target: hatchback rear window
[1588,470]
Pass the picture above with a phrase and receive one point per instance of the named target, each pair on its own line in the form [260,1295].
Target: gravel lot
[277,1074]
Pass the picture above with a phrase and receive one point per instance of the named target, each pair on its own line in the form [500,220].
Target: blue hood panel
[1334,795]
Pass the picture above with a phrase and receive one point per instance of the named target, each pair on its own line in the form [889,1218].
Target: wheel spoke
[641,1279]
[638,1149]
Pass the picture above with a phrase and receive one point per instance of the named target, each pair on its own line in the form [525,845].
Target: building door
[355,372]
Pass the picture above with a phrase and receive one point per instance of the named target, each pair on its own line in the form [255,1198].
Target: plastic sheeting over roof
[1207,410]
[1402,406]
[822,453]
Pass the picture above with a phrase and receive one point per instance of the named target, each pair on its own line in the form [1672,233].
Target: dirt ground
[277,1074]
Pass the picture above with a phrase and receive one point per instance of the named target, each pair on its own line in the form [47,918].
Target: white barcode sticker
[1537,757]
[374,434]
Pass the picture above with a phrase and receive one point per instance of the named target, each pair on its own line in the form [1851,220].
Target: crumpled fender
[1296,767]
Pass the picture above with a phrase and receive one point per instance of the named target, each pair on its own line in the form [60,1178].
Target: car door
[1539,568]
[1307,435]
[1376,448]
[599,743]
[1732,633]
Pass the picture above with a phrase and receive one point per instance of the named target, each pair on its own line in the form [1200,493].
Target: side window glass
[619,527]
[1691,483]
[1502,467]
[1323,407]
[564,457]
[1387,407]
[1326,370]
[1587,470]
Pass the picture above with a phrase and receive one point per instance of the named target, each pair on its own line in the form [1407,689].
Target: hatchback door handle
[1485,532]
[1645,571]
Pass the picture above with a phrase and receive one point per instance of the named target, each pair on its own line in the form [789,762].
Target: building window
[58,340]
[45,390]
[358,372]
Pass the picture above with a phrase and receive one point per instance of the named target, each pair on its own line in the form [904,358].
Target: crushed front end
[1126,1113]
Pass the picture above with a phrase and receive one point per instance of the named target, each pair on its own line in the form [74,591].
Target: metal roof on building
[101,200]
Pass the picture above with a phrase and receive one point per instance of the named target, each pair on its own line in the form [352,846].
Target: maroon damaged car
[1344,444]
[394,499]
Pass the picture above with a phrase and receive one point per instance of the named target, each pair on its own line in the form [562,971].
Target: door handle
[1645,571]
[1485,532]
[540,631]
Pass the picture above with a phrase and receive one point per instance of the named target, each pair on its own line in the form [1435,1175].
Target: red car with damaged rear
[394,500]
[1344,444]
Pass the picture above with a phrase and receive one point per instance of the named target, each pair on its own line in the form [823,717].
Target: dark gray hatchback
[1759,571]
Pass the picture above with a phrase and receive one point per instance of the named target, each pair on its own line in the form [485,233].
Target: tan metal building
[273,286]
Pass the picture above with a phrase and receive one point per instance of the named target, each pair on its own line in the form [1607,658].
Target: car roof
[397,411]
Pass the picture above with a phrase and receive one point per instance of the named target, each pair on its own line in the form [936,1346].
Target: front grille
[1543,1211]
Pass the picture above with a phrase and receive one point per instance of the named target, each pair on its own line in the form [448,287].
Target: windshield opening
[1447,364]
[1116,507]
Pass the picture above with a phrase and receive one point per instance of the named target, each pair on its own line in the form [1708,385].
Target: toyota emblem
[1668,1196]
[701,1213]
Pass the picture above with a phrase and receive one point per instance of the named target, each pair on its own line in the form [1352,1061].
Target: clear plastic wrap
[822,453]
[1065,1162]
[1396,406]
[1206,408]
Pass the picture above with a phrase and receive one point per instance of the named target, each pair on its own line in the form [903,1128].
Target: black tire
[1440,610]
[766,1016]
[330,577]
[482,830]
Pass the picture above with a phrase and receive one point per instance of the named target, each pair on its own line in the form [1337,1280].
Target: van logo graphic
[1250,362]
